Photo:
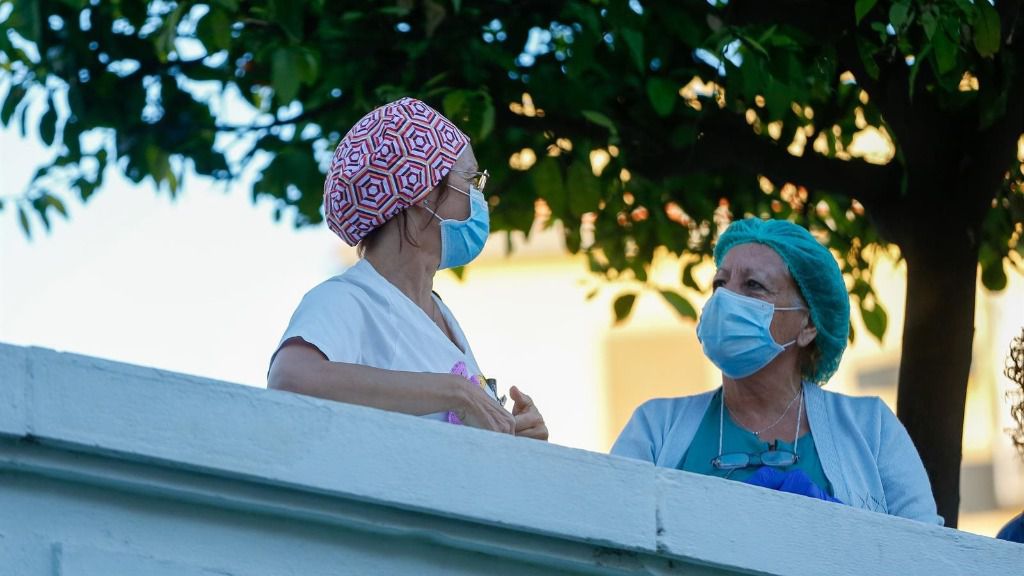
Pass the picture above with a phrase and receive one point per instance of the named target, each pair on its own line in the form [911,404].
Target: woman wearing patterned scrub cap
[776,326]
[403,186]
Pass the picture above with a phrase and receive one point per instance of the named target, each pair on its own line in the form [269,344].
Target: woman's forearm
[301,368]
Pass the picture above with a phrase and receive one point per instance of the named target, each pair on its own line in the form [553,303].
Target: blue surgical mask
[735,333]
[463,240]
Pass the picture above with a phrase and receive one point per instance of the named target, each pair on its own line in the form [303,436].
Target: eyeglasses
[737,460]
[733,461]
[477,179]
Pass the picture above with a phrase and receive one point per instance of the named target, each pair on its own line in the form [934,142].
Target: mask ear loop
[806,319]
[423,205]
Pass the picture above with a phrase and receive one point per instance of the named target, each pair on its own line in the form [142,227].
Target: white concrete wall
[109,469]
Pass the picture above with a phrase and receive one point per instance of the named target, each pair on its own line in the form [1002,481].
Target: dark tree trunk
[941,251]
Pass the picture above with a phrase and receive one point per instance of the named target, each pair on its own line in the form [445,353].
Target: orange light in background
[526,107]
[523,159]
[541,210]
[858,208]
[969,83]
[676,213]
[874,145]
[697,88]
[796,147]
[599,159]
[859,120]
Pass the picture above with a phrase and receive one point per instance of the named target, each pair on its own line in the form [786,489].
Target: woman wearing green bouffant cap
[776,326]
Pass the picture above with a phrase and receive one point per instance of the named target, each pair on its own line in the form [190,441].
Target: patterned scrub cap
[388,161]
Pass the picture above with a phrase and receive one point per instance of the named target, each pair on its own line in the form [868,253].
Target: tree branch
[307,114]
[727,141]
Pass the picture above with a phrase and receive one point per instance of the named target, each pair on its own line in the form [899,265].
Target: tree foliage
[641,126]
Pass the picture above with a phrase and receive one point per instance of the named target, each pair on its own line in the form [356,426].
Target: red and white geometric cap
[388,161]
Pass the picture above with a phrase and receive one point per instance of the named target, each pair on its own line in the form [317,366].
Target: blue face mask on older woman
[463,240]
[735,331]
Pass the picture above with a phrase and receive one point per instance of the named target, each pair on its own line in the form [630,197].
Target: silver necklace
[796,434]
[777,420]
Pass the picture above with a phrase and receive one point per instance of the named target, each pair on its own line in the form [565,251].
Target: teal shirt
[735,438]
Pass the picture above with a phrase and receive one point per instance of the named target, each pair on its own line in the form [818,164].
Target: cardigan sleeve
[908,491]
[638,439]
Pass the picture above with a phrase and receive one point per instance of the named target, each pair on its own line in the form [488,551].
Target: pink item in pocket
[460,370]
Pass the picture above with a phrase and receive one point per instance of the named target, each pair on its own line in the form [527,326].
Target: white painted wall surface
[109,469]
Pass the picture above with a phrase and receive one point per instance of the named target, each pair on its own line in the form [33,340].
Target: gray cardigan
[865,451]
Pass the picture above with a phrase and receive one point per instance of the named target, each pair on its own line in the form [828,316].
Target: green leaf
[214,30]
[634,40]
[918,62]
[623,306]
[229,5]
[682,305]
[23,220]
[688,280]
[471,110]
[899,14]
[288,14]
[48,123]
[993,275]
[945,51]
[755,45]
[309,68]
[14,97]
[573,237]
[584,189]
[25,19]
[867,52]
[862,7]
[285,73]
[875,319]
[778,99]
[169,33]
[23,122]
[546,177]
[987,35]
[930,22]
[663,94]
[457,5]
[56,204]
[600,119]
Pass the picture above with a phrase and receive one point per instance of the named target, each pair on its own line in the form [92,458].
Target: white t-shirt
[359,317]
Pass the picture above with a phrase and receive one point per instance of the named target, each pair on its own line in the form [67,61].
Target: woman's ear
[807,334]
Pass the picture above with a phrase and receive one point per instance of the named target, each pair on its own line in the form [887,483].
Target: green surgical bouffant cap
[816,274]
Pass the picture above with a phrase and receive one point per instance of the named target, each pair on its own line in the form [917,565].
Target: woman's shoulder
[351,285]
[868,414]
[668,408]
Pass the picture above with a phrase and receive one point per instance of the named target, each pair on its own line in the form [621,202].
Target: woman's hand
[528,420]
[479,410]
